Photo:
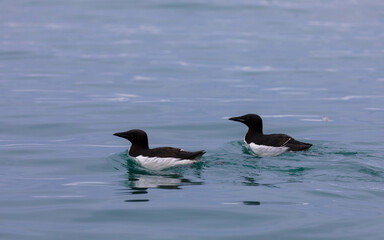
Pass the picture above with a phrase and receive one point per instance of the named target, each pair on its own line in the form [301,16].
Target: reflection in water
[249,203]
[250,181]
[256,203]
[139,180]
[137,200]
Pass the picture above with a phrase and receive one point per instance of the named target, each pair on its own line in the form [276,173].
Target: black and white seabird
[157,158]
[269,145]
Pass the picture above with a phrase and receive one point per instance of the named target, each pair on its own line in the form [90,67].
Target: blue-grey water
[74,72]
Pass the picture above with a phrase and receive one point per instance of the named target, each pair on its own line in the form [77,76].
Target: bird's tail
[197,155]
[298,146]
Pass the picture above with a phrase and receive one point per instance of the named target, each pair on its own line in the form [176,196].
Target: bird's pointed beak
[119,134]
[236,119]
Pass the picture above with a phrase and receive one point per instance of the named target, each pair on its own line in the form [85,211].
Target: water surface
[74,72]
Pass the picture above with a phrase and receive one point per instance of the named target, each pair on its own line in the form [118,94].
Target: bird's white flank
[159,163]
[266,151]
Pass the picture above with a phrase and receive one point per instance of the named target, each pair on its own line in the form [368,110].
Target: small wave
[98,145]
[153,101]
[291,116]
[263,69]
[143,78]
[374,109]
[59,196]
[103,56]
[238,100]
[43,90]
[181,63]
[148,29]
[24,145]
[278,89]
[257,203]
[124,42]
[84,183]
[336,25]
[40,75]
[294,93]
[347,98]
[324,119]
[118,97]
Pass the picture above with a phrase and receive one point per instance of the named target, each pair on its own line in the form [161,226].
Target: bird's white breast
[266,151]
[159,163]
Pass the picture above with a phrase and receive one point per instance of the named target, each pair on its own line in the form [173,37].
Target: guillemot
[157,158]
[267,145]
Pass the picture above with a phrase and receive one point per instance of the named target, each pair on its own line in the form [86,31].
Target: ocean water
[73,72]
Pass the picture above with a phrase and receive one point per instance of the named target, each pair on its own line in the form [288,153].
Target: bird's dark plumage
[139,140]
[255,134]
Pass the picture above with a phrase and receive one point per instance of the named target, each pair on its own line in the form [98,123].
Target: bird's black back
[277,140]
[165,152]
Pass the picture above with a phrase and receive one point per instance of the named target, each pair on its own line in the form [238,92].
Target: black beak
[119,134]
[237,119]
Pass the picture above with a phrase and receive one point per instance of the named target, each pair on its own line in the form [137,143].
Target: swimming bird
[157,158]
[265,145]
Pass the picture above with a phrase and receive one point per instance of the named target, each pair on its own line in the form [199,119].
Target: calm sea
[74,72]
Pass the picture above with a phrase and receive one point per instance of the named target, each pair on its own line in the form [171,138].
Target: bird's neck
[137,148]
[253,132]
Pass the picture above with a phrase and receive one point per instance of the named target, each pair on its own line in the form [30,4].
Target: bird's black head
[253,121]
[135,136]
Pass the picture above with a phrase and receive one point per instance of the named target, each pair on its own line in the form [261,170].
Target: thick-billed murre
[157,158]
[267,145]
